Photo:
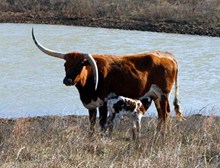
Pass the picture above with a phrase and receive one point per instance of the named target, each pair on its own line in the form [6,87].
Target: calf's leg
[103,117]
[110,123]
[136,128]
[92,119]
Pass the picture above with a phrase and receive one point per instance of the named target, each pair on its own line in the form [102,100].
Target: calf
[119,106]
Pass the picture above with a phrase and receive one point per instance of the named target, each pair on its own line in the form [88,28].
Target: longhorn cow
[96,76]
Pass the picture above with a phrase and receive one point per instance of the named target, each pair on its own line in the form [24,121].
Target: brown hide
[130,75]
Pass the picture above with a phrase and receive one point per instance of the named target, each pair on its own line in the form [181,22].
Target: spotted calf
[119,106]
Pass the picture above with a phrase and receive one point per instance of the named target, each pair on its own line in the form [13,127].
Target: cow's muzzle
[67,81]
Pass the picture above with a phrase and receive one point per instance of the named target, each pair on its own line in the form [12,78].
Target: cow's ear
[85,63]
[80,66]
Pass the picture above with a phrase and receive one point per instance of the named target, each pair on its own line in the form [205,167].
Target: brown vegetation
[64,142]
[187,16]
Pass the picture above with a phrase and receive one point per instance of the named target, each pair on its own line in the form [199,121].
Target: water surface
[31,82]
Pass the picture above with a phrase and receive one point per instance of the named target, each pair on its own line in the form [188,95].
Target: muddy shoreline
[180,27]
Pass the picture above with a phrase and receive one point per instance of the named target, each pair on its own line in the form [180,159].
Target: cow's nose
[67,81]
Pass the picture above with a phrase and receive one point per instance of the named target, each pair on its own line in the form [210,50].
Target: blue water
[31,82]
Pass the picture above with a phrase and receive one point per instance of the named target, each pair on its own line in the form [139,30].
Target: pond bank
[181,27]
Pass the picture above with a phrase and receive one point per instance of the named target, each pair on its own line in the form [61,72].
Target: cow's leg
[92,119]
[103,117]
[159,111]
[163,109]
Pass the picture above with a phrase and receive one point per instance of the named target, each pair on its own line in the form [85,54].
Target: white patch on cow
[94,104]
[156,92]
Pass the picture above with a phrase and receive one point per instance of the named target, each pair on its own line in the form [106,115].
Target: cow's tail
[176,101]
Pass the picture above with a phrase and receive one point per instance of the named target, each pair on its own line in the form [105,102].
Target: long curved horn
[94,68]
[46,50]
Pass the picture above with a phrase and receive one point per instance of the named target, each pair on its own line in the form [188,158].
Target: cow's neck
[86,89]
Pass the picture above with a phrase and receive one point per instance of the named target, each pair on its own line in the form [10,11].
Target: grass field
[64,142]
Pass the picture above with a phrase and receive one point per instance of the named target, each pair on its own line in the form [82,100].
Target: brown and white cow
[136,75]
[119,106]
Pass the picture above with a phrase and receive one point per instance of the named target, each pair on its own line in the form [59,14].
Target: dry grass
[156,10]
[64,142]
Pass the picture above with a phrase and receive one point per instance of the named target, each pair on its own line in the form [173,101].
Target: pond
[31,82]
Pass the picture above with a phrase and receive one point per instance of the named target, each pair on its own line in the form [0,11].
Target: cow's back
[133,75]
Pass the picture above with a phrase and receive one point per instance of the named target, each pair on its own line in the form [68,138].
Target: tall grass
[156,10]
[64,142]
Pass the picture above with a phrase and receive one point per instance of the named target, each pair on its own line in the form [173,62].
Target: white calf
[119,106]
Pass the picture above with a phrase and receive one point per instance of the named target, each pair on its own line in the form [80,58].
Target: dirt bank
[181,27]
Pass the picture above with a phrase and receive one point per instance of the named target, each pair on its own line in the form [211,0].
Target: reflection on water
[31,82]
